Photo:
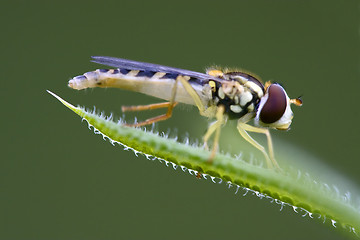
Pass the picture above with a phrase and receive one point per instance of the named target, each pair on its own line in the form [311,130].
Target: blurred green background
[60,181]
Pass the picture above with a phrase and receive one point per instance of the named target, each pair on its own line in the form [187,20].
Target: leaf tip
[69,105]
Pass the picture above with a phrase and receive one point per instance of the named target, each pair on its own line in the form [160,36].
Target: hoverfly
[220,94]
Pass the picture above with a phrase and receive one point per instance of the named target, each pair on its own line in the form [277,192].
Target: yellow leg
[220,119]
[216,127]
[147,107]
[170,105]
[208,112]
[210,132]
[153,120]
[163,117]
[243,127]
[190,90]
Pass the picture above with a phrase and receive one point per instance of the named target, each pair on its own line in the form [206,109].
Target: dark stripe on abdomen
[170,76]
[124,71]
[148,74]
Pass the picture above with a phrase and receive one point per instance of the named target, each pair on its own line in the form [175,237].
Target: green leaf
[291,187]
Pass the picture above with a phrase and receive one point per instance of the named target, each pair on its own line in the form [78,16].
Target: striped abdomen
[157,84]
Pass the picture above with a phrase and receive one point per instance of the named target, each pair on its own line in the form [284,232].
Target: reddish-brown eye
[275,105]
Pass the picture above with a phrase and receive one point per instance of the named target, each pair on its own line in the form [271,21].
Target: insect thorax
[239,94]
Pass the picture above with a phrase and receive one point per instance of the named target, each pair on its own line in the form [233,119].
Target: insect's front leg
[243,127]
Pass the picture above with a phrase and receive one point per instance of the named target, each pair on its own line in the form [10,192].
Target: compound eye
[275,106]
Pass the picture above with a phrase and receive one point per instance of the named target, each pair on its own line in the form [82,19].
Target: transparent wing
[135,65]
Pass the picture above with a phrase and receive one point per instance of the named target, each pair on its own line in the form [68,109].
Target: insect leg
[170,105]
[220,120]
[146,107]
[214,126]
[207,112]
[210,132]
[243,127]
[190,90]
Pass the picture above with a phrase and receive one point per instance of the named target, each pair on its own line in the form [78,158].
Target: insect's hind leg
[147,107]
[243,127]
[170,105]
